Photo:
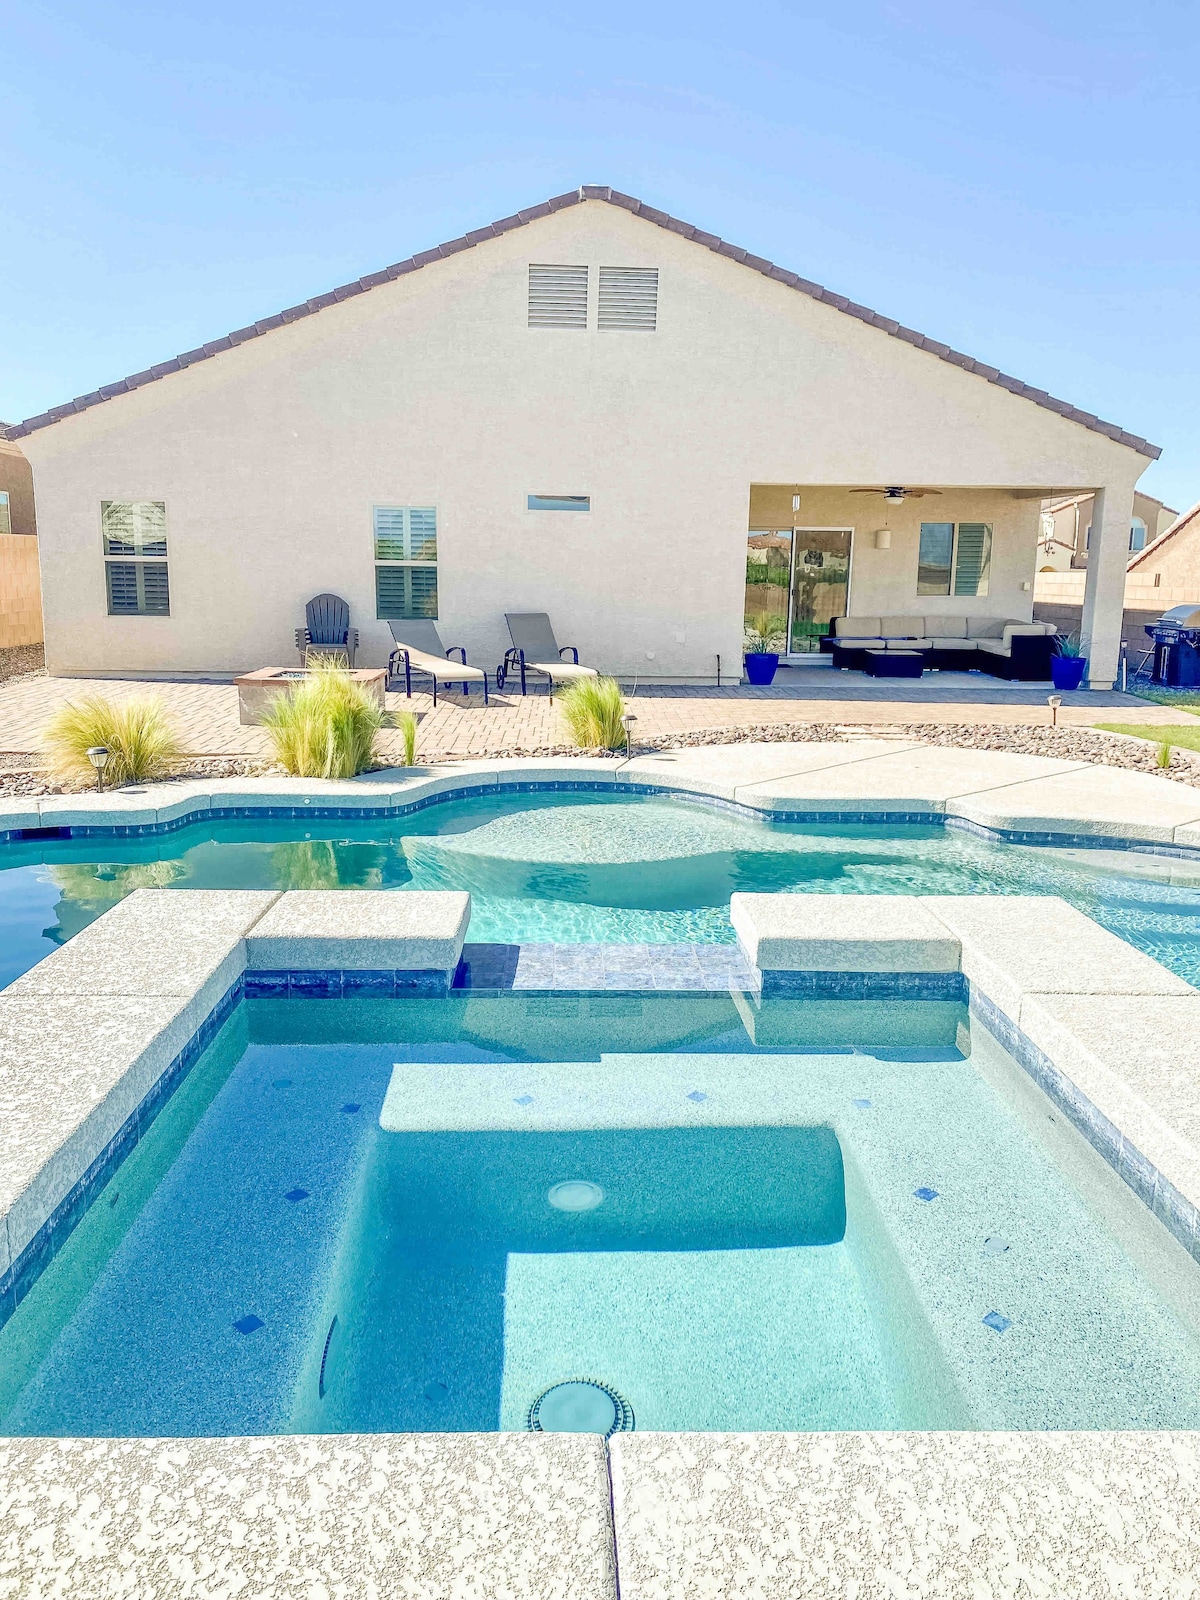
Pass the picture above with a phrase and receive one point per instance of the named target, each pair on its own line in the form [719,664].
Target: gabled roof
[1188,522]
[627,203]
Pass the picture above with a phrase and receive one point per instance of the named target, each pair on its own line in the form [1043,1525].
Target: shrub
[325,727]
[593,708]
[138,733]
[769,637]
[1164,753]
[1070,645]
[406,721]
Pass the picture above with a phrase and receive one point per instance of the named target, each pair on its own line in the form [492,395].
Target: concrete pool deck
[89,1035]
[1024,798]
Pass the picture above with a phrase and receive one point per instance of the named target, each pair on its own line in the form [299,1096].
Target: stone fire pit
[258,690]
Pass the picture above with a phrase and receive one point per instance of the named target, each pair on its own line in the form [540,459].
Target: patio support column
[1104,593]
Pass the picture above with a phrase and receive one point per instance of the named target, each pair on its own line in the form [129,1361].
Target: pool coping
[1109,1110]
[987,806]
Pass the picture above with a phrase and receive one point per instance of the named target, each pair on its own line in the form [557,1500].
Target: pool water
[581,868]
[425,1214]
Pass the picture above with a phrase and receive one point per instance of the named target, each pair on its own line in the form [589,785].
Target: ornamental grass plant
[592,709]
[325,726]
[137,733]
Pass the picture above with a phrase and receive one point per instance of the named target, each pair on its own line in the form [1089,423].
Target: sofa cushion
[945,627]
[939,642]
[859,644]
[902,627]
[988,627]
[1036,629]
[994,647]
[910,644]
[856,627]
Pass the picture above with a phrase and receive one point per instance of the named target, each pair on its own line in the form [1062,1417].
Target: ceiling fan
[895,494]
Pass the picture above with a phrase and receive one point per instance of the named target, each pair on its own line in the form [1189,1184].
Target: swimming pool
[345,1219]
[579,868]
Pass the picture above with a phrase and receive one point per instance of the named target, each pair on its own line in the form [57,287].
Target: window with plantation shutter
[628,299]
[558,296]
[135,533]
[972,558]
[405,561]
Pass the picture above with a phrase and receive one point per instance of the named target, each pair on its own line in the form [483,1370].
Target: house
[1066,528]
[590,409]
[1169,569]
[20,590]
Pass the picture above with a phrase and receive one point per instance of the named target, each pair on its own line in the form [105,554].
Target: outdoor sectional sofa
[1001,646]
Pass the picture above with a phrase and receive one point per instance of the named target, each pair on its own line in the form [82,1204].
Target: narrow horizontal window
[137,584]
[558,502]
[628,299]
[558,296]
[405,561]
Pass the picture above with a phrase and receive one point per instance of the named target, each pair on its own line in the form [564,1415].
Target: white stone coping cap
[842,933]
[414,930]
[864,1516]
[426,1516]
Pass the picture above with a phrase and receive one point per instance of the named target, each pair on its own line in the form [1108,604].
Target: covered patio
[949,566]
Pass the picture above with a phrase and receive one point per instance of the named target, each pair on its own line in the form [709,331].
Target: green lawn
[1177,699]
[1184,734]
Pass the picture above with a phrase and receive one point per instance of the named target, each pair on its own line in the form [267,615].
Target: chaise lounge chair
[535,649]
[418,649]
[327,629]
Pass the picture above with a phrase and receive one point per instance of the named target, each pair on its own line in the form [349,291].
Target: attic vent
[629,298]
[558,296]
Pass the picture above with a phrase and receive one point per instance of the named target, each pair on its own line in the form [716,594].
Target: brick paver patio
[206,714]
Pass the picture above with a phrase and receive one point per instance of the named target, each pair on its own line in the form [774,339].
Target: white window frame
[136,558]
[388,562]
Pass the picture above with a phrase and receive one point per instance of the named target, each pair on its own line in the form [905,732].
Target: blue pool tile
[351,1107]
[423,982]
[488,966]
[697,1095]
[296,1195]
[925,1194]
[281,1083]
[997,1321]
[862,1105]
[523,1100]
[249,1324]
[368,985]
[316,985]
[266,985]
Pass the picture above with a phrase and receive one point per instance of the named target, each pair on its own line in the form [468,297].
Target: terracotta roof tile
[614,197]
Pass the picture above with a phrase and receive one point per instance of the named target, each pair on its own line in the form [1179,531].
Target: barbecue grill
[1176,637]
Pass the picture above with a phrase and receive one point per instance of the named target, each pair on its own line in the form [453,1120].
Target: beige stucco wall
[20,590]
[432,391]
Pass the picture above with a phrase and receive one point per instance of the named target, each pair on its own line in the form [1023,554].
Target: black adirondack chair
[327,629]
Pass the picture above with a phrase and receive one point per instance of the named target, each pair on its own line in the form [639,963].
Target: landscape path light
[1054,701]
[98,756]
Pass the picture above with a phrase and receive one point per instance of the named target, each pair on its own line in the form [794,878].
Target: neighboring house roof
[1189,522]
[1090,494]
[626,202]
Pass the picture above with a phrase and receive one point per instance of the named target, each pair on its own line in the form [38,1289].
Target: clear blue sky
[1020,181]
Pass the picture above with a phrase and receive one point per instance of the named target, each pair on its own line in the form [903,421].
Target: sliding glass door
[820,584]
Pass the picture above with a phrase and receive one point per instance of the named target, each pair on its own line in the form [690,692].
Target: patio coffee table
[894,663]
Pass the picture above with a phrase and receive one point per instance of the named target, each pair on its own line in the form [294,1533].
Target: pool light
[576,1195]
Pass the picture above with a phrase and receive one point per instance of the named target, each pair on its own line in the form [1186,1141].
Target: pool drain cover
[581,1405]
